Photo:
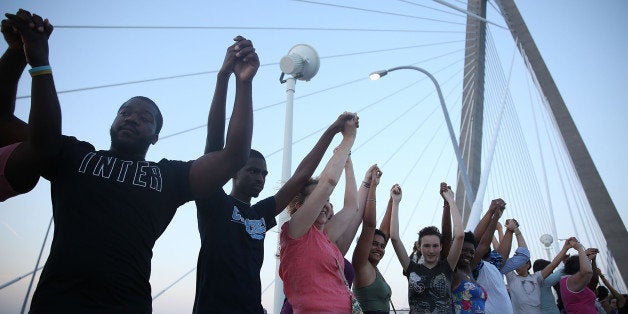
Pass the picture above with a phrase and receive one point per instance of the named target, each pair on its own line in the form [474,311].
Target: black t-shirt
[429,290]
[232,252]
[108,213]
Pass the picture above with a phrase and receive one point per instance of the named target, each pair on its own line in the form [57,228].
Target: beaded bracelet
[40,70]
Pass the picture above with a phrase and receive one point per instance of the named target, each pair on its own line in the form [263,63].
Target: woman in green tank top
[369,286]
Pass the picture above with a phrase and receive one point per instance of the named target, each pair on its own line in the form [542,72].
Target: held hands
[446,192]
[34,32]
[395,193]
[512,225]
[351,123]
[367,176]
[376,173]
[591,252]
[497,207]
[246,61]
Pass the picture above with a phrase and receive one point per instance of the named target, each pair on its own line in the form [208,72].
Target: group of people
[110,206]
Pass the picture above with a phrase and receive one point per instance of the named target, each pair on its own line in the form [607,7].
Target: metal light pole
[547,240]
[301,63]
[463,169]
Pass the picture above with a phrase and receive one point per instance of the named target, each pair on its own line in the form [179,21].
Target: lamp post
[547,240]
[301,63]
[463,168]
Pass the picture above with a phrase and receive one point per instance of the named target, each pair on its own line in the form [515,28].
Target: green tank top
[376,296]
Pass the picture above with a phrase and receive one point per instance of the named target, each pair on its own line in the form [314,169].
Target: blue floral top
[469,297]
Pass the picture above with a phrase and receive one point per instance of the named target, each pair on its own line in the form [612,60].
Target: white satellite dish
[547,240]
[302,62]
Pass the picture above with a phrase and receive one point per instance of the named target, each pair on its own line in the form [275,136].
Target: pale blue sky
[583,44]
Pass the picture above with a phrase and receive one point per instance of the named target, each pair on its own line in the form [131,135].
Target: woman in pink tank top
[311,265]
[576,296]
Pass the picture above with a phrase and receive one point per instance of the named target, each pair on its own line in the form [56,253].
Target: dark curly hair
[382,234]
[470,237]
[539,264]
[572,265]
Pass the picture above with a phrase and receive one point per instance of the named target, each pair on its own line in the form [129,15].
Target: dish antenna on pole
[301,63]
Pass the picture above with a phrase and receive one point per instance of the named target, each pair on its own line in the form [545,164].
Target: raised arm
[500,236]
[621,300]
[579,280]
[217,111]
[214,169]
[557,260]
[365,241]
[445,223]
[522,254]
[303,218]
[595,280]
[306,168]
[344,225]
[12,64]
[400,250]
[494,212]
[505,245]
[456,245]
[384,226]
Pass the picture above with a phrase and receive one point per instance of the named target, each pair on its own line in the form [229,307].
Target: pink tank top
[577,302]
[311,268]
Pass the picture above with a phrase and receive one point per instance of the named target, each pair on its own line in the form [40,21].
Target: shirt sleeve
[522,255]
[553,278]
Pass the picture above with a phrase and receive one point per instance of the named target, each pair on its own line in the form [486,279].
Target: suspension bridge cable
[216,71]
[30,285]
[380,12]
[332,29]
[432,8]
[470,14]
[174,283]
[10,282]
[542,158]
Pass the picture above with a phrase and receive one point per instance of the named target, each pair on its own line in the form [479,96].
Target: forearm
[506,244]
[370,219]
[521,242]
[12,64]
[45,116]
[394,222]
[482,226]
[308,165]
[585,263]
[485,241]
[351,200]
[216,118]
[238,143]
[446,230]
[384,226]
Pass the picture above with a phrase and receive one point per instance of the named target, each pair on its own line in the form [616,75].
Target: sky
[401,125]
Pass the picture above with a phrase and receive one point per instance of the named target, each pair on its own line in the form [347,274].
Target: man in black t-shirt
[110,206]
[232,231]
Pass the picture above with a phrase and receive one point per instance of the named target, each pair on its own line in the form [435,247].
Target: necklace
[241,201]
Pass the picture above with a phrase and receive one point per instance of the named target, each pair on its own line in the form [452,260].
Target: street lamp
[301,63]
[463,168]
[547,240]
